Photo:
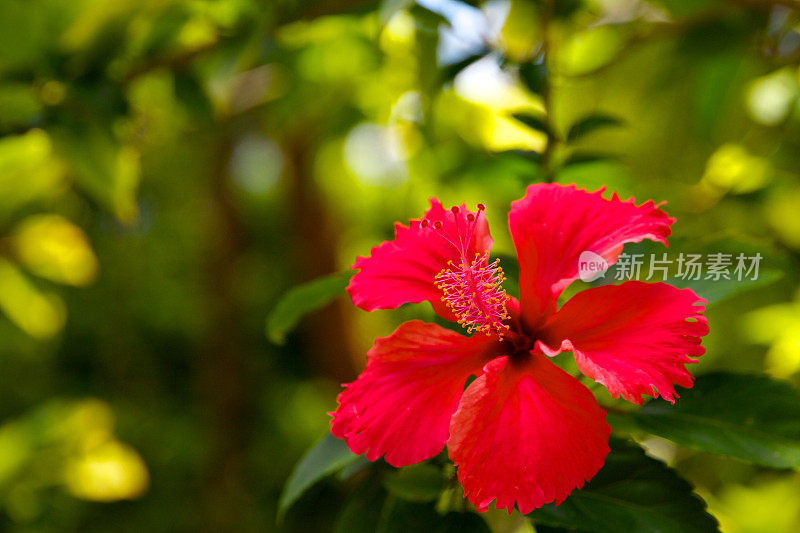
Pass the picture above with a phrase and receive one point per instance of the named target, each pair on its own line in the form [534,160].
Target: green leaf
[715,291]
[25,35]
[421,482]
[405,517]
[105,169]
[682,8]
[302,300]
[528,155]
[362,510]
[427,20]
[324,458]
[449,72]
[631,493]
[360,464]
[579,158]
[534,76]
[755,418]
[591,123]
[564,9]
[18,105]
[538,123]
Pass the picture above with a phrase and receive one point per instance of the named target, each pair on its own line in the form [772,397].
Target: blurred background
[169,169]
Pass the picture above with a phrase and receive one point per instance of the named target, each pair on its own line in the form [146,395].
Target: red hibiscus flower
[524,432]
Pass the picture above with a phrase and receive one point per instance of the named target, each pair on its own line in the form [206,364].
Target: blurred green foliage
[169,169]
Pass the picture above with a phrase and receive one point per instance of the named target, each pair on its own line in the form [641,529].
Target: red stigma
[471,288]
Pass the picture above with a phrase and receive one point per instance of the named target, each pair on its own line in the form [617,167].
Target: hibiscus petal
[632,337]
[553,224]
[402,270]
[401,405]
[526,433]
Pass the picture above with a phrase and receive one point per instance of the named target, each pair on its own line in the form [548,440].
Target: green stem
[547,90]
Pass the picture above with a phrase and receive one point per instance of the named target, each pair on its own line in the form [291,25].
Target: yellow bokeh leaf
[733,168]
[37,313]
[87,423]
[29,170]
[781,212]
[14,450]
[54,248]
[108,472]
[588,50]
[521,32]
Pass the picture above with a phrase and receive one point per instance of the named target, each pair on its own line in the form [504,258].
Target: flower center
[471,288]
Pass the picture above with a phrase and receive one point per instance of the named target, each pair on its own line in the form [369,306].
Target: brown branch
[174,61]
[223,377]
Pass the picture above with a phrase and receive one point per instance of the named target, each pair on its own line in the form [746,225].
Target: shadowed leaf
[324,458]
[591,123]
[538,123]
[755,418]
[632,493]
[302,300]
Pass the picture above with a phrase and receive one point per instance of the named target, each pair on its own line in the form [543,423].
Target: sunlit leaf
[522,31]
[29,170]
[632,493]
[591,123]
[755,418]
[108,472]
[302,300]
[778,326]
[37,313]
[764,504]
[588,50]
[421,483]
[54,248]
[324,458]
[733,168]
[91,24]
[71,444]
